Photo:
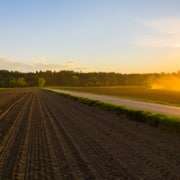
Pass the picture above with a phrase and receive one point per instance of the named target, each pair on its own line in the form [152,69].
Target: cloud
[177,45]
[164,25]
[71,64]
[164,33]
[8,64]
[155,41]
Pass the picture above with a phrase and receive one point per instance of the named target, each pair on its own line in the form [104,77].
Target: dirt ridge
[46,136]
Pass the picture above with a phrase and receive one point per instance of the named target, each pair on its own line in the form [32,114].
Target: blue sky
[90,35]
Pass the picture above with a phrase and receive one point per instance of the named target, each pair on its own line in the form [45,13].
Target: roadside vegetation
[170,123]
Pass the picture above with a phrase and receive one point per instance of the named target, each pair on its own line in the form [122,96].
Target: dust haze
[165,82]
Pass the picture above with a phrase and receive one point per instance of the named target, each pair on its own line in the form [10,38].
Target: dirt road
[154,107]
[46,136]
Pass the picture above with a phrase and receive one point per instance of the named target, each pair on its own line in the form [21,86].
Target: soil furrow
[37,155]
[71,156]
[47,136]
[123,137]
[97,156]
[11,143]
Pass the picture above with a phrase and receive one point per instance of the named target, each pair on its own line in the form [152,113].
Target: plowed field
[46,136]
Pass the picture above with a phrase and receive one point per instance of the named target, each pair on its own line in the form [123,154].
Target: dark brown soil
[46,136]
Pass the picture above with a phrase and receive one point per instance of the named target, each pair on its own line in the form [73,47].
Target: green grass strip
[155,119]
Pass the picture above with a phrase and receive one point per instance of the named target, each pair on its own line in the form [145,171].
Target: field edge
[170,123]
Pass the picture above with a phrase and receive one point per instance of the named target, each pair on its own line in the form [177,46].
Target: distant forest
[71,78]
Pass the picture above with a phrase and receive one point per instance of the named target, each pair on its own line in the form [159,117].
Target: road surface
[47,136]
[153,107]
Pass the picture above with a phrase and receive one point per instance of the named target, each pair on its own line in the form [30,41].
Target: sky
[132,36]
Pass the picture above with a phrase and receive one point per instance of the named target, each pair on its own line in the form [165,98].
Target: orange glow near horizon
[171,83]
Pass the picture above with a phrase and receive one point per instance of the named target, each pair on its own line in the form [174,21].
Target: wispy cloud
[156,41]
[71,64]
[164,25]
[164,33]
[37,65]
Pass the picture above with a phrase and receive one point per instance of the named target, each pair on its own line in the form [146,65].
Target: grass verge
[155,119]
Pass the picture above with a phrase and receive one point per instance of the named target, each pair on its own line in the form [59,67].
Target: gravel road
[47,136]
[154,107]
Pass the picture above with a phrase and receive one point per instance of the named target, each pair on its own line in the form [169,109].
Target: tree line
[19,79]
[71,78]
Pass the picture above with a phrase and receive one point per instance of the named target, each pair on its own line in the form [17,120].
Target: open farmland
[46,136]
[133,92]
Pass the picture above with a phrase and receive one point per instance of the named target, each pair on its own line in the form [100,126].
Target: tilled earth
[47,136]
